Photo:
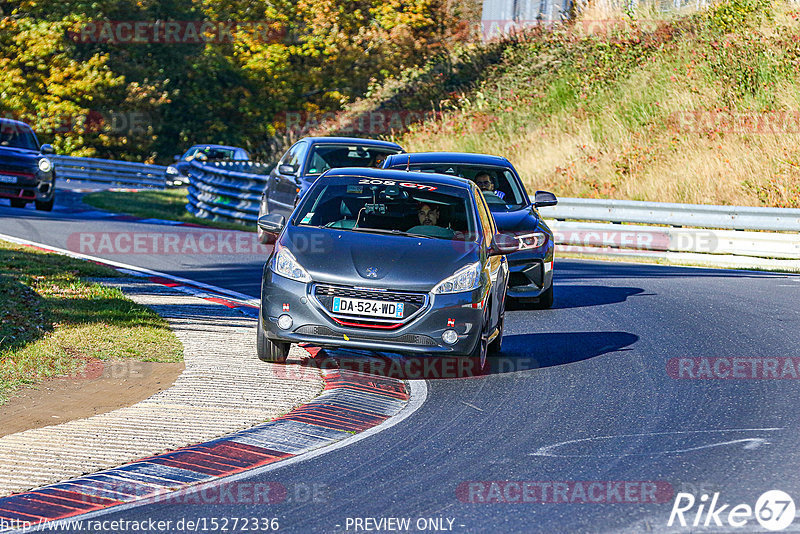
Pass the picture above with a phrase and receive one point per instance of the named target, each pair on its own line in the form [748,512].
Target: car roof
[350,141]
[402,176]
[449,157]
[15,122]
[209,145]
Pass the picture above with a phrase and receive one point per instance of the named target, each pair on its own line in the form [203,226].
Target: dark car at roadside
[532,266]
[308,159]
[177,174]
[363,263]
[26,173]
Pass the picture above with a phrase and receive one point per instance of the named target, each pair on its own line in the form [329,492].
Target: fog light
[284,322]
[450,337]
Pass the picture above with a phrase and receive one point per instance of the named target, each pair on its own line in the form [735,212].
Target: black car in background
[532,266]
[177,174]
[308,159]
[26,174]
[388,261]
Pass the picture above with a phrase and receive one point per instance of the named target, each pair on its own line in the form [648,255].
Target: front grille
[335,291]
[17,192]
[406,339]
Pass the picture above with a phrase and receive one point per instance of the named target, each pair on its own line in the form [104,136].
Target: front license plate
[375,308]
[8,179]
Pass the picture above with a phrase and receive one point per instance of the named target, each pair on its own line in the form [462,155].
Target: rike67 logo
[774,510]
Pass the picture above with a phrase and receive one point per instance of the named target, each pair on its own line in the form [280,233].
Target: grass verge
[168,204]
[53,321]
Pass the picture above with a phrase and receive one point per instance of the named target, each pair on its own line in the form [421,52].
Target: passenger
[486,184]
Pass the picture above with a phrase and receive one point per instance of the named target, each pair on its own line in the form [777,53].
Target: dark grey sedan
[310,158]
[531,267]
[387,261]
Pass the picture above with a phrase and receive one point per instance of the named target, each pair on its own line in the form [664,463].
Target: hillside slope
[699,108]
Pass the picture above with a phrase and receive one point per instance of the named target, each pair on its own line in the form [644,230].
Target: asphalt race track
[585,396]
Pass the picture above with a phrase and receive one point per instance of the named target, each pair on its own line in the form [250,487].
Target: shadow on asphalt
[520,353]
[578,296]
[604,270]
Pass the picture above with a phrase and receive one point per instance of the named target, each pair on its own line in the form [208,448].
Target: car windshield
[16,135]
[324,157]
[506,193]
[371,205]
[209,153]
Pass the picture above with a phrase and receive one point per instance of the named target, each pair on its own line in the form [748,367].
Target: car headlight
[172,170]
[45,165]
[287,266]
[465,279]
[532,241]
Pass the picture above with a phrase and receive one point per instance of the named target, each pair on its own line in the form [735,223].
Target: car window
[294,156]
[363,204]
[508,193]
[487,221]
[15,135]
[325,157]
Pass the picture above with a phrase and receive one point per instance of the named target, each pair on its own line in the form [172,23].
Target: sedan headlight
[287,266]
[172,170]
[532,241]
[465,279]
[45,165]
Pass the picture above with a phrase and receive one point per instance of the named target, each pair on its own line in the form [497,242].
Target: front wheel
[17,203]
[268,350]
[481,349]
[45,205]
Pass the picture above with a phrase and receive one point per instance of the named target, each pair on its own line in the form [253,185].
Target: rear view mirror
[287,169]
[48,149]
[503,244]
[544,199]
[272,224]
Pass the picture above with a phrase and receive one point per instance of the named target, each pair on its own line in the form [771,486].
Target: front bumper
[37,187]
[530,272]
[423,334]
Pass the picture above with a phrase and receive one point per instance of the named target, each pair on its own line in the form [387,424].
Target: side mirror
[287,169]
[272,224]
[48,149]
[503,244]
[176,158]
[544,199]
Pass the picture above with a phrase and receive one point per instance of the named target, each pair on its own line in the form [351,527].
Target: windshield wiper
[389,232]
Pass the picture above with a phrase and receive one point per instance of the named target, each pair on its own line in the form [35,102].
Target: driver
[428,215]
[486,184]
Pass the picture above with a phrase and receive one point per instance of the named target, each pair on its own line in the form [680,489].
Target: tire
[497,345]
[268,350]
[481,349]
[45,205]
[17,203]
[545,299]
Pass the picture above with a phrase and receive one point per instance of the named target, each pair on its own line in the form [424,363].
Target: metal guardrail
[231,192]
[227,191]
[109,171]
[589,237]
[693,215]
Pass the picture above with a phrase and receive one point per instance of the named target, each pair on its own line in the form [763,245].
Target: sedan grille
[412,304]
[335,291]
